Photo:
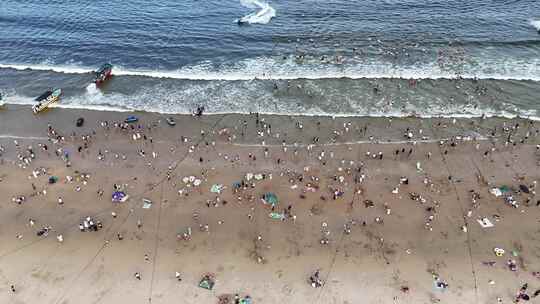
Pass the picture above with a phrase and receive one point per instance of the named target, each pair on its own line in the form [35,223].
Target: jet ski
[46,99]
[103,73]
[241,22]
[263,16]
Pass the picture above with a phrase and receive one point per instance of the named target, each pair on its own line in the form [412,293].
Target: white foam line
[321,75]
[10,136]
[43,67]
[350,143]
[377,115]
[333,115]
[241,75]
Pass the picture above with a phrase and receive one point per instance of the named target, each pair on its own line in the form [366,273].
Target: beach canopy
[524,189]
[118,196]
[207,282]
[504,188]
[270,199]
[146,203]
[277,216]
[216,188]
[53,179]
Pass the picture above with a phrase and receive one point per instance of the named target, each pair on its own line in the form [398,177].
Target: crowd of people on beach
[350,176]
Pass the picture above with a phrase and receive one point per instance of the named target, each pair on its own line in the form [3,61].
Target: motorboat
[103,73]
[46,99]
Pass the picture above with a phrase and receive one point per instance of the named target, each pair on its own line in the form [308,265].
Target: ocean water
[313,57]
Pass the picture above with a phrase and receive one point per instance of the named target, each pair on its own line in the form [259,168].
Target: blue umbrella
[118,196]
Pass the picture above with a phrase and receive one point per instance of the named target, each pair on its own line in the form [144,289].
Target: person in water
[199,111]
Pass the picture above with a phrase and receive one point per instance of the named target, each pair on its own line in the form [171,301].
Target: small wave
[67,69]
[395,114]
[536,24]
[126,103]
[263,16]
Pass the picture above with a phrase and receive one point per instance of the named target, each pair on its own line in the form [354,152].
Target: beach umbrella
[207,282]
[118,196]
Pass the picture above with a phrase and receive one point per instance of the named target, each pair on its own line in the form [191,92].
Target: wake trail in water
[536,24]
[263,16]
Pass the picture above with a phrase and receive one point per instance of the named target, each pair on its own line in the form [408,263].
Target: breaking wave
[264,14]
[270,68]
[250,97]
[114,106]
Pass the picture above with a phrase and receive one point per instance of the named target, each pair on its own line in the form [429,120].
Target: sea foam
[270,68]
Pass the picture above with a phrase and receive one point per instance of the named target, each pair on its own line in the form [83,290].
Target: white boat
[46,99]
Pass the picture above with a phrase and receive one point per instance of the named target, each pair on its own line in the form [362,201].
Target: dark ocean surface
[333,57]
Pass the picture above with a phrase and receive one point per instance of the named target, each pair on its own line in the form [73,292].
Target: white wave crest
[263,16]
[536,24]
[68,69]
[270,68]
[118,106]
[246,97]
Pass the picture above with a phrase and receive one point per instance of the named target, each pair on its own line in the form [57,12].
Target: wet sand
[248,252]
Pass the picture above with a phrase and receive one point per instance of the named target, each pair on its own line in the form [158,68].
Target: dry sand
[372,264]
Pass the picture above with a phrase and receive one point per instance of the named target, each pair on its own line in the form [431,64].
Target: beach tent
[146,203]
[119,196]
[277,216]
[207,282]
[246,300]
[524,189]
[216,188]
[270,198]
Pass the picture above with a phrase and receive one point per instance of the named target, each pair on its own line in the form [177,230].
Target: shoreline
[354,116]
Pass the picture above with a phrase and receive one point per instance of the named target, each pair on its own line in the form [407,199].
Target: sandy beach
[387,210]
